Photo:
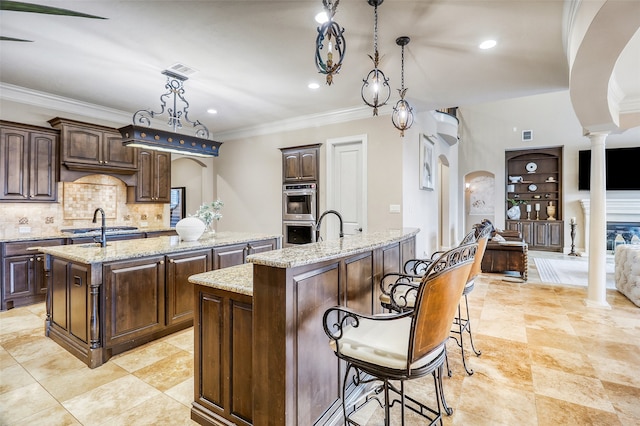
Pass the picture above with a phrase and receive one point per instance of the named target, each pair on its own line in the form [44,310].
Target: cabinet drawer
[22,247]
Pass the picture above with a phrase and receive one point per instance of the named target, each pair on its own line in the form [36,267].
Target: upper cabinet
[300,163]
[154,178]
[87,147]
[28,163]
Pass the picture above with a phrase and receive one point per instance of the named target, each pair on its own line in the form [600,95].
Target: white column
[597,290]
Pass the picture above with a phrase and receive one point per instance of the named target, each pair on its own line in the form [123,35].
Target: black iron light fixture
[402,116]
[141,135]
[375,90]
[329,60]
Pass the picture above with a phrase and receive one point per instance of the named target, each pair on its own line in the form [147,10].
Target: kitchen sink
[107,229]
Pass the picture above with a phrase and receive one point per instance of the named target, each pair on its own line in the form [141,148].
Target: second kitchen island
[105,300]
[261,354]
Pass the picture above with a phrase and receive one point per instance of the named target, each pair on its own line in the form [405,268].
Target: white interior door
[347,184]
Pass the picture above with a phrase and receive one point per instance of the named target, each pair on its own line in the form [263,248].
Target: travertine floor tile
[161,410]
[69,384]
[169,371]
[23,402]
[144,356]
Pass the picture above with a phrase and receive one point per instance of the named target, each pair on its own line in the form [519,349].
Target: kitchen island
[261,355]
[105,300]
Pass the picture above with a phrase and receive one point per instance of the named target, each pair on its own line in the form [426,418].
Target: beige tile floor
[546,359]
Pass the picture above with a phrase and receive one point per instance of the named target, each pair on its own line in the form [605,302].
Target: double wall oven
[299,213]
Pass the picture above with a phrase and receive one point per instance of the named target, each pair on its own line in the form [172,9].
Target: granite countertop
[138,248]
[237,279]
[58,234]
[305,254]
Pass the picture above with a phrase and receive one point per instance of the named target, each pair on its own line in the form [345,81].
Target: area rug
[572,272]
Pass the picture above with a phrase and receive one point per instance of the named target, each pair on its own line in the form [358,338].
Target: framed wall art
[427,148]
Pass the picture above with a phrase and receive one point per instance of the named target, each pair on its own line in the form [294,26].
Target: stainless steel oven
[298,232]
[299,202]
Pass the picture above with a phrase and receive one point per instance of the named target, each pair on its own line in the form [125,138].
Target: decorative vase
[210,229]
[514,213]
[551,212]
[190,228]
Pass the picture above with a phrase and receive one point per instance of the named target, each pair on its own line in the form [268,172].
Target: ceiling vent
[182,69]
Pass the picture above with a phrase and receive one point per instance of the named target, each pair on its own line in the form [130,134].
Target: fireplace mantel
[618,210]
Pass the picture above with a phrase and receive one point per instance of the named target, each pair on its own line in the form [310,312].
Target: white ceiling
[254,59]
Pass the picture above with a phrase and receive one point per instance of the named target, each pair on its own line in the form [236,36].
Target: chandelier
[402,116]
[330,31]
[375,90]
[141,135]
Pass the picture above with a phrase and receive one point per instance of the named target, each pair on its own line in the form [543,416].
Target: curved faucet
[320,221]
[103,228]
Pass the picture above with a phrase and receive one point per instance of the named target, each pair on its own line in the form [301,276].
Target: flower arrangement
[210,212]
[515,202]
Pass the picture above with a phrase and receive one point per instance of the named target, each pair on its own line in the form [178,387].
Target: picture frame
[427,166]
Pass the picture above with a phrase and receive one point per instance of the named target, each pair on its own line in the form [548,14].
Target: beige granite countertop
[305,254]
[237,279]
[138,248]
[57,234]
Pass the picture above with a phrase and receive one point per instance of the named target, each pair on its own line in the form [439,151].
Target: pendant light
[375,91]
[141,135]
[331,32]
[402,116]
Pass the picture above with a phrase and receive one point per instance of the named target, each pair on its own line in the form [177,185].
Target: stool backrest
[437,300]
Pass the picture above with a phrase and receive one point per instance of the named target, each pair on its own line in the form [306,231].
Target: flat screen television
[622,169]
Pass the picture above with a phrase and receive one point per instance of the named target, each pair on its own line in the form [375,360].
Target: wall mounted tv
[622,169]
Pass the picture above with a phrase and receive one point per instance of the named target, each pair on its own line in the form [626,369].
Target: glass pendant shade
[402,116]
[330,44]
[375,90]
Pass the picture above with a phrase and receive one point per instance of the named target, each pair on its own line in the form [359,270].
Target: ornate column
[597,290]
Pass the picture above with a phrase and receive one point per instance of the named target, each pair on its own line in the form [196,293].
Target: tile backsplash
[74,209]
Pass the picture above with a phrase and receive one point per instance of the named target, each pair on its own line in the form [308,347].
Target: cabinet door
[18,276]
[43,160]
[115,154]
[81,145]
[226,256]
[556,234]
[162,177]
[14,164]
[134,291]
[291,166]
[262,246]
[154,177]
[527,232]
[179,295]
[308,170]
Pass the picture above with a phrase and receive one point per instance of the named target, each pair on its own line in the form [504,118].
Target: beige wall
[249,174]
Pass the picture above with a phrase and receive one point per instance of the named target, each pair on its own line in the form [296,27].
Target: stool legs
[464,324]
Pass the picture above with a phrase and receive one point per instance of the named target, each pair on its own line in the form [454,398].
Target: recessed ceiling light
[487,44]
[212,111]
[322,17]
[313,86]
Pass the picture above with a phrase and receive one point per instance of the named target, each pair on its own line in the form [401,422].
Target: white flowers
[210,212]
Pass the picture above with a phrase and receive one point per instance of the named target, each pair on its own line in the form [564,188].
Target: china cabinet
[534,180]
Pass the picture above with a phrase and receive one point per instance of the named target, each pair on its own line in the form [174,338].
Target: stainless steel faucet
[320,221]
[103,227]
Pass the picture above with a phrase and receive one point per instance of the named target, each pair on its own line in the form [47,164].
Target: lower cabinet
[134,299]
[236,254]
[540,234]
[23,276]
[179,291]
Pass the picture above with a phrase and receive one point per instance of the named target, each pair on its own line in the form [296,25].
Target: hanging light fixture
[375,90]
[141,135]
[402,116]
[336,46]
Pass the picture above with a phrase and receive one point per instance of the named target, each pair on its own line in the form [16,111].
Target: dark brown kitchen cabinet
[179,268]
[23,276]
[154,178]
[300,163]
[236,254]
[134,294]
[28,163]
[88,147]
